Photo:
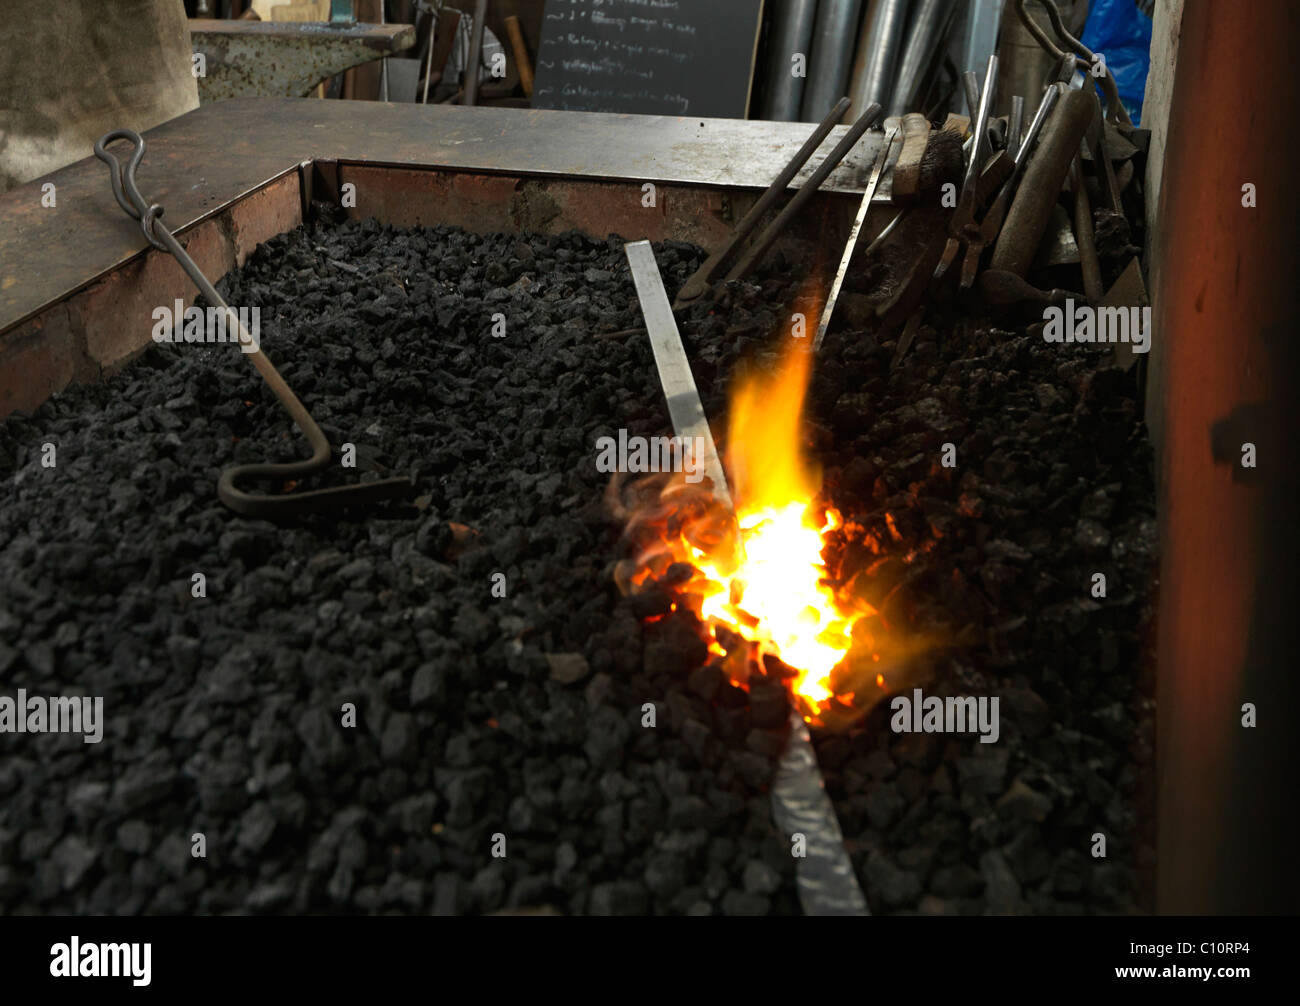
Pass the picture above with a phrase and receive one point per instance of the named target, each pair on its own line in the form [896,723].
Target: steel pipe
[792,32]
[929,21]
[879,45]
[832,56]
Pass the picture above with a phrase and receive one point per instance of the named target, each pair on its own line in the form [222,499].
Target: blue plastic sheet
[1122,33]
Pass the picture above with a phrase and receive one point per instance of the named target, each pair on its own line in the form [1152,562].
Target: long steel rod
[1089,264]
[383,64]
[700,281]
[976,163]
[851,245]
[971,88]
[436,8]
[773,230]
[684,406]
[1015,124]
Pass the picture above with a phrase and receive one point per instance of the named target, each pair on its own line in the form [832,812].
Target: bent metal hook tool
[130,199]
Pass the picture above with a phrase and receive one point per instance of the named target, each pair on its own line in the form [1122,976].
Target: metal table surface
[203,161]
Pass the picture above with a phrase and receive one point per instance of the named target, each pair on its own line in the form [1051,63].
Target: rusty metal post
[1224,376]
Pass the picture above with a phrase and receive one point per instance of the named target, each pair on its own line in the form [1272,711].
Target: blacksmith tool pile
[1057,207]
[994,212]
[699,285]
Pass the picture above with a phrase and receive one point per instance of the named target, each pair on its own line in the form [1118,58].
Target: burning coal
[758,583]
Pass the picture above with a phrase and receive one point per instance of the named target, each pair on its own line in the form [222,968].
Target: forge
[911,641]
[527,645]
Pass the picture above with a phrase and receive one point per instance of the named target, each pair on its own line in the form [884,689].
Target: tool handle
[1041,185]
[521,54]
[127,193]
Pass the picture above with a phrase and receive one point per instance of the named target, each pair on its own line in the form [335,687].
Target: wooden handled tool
[907,169]
[1041,186]
[521,54]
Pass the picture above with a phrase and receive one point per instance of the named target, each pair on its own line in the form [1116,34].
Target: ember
[764,591]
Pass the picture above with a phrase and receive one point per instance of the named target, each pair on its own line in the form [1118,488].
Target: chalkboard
[652,57]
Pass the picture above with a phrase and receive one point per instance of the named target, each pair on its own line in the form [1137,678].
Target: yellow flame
[764,455]
[775,595]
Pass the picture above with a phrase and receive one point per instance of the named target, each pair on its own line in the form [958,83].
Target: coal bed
[486,368]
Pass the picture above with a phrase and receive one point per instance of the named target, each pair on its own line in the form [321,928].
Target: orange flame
[773,592]
[767,584]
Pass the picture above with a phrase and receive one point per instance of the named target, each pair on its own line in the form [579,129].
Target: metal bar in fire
[800,805]
[684,407]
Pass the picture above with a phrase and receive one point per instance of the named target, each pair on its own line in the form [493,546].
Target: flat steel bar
[684,406]
[800,806]
[250,59]
[851,245]
[824,875]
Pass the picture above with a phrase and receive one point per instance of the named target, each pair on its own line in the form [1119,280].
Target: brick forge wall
[98,329]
